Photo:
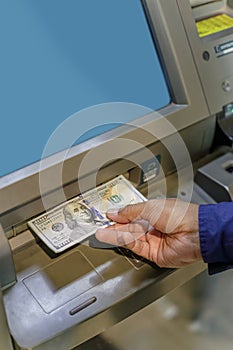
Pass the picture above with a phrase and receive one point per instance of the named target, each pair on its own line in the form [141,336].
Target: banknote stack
[77,219]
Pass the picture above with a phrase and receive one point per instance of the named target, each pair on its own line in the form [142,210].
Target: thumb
[129,213]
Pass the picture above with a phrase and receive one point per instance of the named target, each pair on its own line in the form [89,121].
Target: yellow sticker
[214,24]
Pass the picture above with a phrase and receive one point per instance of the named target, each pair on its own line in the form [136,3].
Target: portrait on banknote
[77,219]
[82,219]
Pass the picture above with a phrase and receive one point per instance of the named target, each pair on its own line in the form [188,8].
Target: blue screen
[61,56]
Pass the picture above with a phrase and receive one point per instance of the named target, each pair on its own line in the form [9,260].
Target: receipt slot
[216,178]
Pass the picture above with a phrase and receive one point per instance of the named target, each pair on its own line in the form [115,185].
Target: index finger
[129,213]
[149,210]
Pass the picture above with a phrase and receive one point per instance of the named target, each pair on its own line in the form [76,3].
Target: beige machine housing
[115,286]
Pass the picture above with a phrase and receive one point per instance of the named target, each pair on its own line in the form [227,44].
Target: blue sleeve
[216,235]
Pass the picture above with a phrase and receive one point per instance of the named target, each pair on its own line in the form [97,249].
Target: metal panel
[215,72]
[122,291]
[5,339]
[7,269]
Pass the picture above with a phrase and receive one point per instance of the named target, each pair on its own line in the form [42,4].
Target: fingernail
[113,211]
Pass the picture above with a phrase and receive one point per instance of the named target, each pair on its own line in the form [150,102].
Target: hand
[164,231]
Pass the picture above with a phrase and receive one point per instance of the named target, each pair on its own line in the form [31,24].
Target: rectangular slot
[214,24]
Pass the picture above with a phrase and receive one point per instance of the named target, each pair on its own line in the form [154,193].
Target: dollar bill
[77,219]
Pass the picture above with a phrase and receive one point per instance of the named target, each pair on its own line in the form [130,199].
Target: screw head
[226,86]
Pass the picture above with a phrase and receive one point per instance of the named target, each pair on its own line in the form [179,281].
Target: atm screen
[59,57]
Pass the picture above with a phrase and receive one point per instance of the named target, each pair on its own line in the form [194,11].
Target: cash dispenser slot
[195,3]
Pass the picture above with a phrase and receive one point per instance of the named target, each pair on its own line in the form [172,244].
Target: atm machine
[58,59]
